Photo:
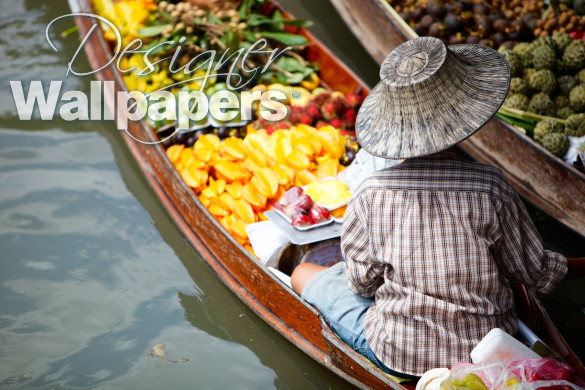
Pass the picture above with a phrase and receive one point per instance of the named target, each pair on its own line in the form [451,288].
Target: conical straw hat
[431,97]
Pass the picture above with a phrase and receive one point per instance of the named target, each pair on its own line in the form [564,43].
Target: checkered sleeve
[522,255]
[363,274]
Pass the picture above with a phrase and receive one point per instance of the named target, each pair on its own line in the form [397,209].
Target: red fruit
[317,212]
[269,129]
[291,195]
[350,117]
[353,100]
[321,124]
[340,105]
[336,122]
[306,119]
[303,202]
[283,125]
[313,110]
[294,117]
[320,99]
[328,111]
[576,34]
[300,218]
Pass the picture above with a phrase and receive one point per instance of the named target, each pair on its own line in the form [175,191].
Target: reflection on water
[93,272]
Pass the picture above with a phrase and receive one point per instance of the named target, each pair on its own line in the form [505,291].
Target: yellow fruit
[174,152]
[328,168]
[238,228]
[234,189]
[269,180]
[235,148]
[244,210]
[339,212]
[284,174]
[217,186]
[299,96]
[253,196]
[297,160]
[217,210]
[305,177]
[312,83]
[231,171]
[187,156]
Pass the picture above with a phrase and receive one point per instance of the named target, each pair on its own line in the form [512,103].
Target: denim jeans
[343,310]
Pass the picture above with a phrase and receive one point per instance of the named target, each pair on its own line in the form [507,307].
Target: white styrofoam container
[499,346]
[265,238]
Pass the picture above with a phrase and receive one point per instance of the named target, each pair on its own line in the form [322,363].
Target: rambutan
[314,111]
[328,110]
[350,117]
[353,100]
[336,122]
[321,98]
[306,119]
[320,124]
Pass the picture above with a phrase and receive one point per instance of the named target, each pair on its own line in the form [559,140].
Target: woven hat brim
[420,125]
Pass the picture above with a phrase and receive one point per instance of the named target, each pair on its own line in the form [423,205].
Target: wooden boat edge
[496,141]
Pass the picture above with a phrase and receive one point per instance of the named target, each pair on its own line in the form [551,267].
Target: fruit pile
[238,171]
[492,23]
[238,179]
[548,79]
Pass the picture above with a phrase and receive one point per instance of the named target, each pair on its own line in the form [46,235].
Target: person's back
[437,240]
[431,244]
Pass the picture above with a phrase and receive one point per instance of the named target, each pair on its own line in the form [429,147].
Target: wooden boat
[540,177]
[259,288]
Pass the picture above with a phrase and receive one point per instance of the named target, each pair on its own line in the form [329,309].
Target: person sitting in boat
[432,244]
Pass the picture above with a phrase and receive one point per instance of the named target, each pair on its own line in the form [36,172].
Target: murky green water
[93,272]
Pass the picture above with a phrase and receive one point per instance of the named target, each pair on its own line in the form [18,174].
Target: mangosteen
[472,39]
[438,30]
[436,8]
[500,25]
[480,9]
[484,26]
[463,5]
[425,22]
[466,19]
[181,138]
[495,16]
[524,31]
[223,132]
[452,22]
[190,141]
[509,44]
[350,155]
[455,39]
[418,13]
[198,134]
[499,38]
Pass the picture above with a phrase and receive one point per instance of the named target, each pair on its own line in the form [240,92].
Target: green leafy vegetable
[285,38]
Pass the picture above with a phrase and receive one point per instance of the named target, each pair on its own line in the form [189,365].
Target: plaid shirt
[437,242]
